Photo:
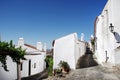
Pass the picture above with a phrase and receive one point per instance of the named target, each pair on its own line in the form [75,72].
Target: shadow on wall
[117,37]
[86,60]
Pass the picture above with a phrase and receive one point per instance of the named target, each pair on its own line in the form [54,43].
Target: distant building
[91,44]
[34,64]
[107,39]
[82,37]
[68,48]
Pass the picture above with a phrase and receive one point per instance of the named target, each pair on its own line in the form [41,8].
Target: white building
[69,49]
[91,45]
[107,45]
[34,64]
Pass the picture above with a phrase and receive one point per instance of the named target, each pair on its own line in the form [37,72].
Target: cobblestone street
[91,73]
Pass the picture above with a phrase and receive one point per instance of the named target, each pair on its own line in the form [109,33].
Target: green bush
[92,41]
[49,64]
[64,65]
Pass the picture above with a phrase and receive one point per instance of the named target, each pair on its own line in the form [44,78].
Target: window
[34,65]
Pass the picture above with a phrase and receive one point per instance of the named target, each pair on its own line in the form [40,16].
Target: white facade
[69,49]
[107,49]
[34,64]
[12,67]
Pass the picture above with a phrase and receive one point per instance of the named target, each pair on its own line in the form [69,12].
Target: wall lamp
[111,27]
[116,35]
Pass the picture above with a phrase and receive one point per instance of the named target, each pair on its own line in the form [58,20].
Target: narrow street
[38,76]
[91,73]
[94,73]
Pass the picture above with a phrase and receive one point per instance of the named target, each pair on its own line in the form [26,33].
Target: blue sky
[47,20]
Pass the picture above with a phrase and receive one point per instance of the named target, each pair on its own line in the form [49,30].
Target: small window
[34,65]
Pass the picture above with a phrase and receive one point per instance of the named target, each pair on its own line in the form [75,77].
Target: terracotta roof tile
[31,46]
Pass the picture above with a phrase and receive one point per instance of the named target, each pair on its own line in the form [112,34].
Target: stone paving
[91,73]
[38,76]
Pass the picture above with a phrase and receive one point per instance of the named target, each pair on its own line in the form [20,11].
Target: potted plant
[64,66]
[58,72]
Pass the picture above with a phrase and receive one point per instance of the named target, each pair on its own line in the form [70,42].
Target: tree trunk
[18,71]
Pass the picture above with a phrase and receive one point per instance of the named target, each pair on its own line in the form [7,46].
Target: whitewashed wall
[99,40]
[105,39]
[116,24]
[67,49]
[12,67]
[64,50]
[80,48]
[36,60]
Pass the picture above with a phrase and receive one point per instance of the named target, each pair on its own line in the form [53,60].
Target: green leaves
[3,61]
[64,65]
[49,62]
[92,41]
[8,49]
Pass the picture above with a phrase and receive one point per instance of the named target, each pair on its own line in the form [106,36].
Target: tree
[8,49]
[49,64]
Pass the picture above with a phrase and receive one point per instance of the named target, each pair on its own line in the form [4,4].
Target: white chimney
[82,36]
[44,46]
[39,46]
[92,37]
[21,42]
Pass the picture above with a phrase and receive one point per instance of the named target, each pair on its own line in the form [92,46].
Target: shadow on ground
[86,60]
[38,76]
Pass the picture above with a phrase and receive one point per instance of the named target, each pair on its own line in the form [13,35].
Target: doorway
[29,67]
